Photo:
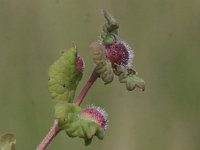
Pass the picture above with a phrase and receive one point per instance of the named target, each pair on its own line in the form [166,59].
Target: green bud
[111,25]
[64,76]
[133,81]
[129,77]
[108,39]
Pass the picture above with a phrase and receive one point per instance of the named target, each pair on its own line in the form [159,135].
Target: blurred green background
[165,36]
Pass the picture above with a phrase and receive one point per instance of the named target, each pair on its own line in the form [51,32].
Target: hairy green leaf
[76,125]
[103,65]
[64,76]
[133,81]
[129,77]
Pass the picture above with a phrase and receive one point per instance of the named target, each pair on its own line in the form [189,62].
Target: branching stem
[55,128]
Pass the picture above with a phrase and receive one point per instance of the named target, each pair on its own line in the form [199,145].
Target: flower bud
[97,115]
[80,65]
[119,53]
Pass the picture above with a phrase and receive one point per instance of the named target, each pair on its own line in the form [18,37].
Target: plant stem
[55,129]
[86,88]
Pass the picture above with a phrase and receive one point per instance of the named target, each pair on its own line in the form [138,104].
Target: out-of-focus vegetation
[165,35]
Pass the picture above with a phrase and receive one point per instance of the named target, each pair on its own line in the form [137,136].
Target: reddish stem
[87,86]
[55,128]
[49,137]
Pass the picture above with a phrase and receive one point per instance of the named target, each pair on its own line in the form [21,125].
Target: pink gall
[119,53]
[96,114]
[80,65]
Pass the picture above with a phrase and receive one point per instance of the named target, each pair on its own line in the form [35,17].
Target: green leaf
[65,112]
[133,81]
[64,76]
[76,125]
[103,65]
[111,25]
[108,39]
[84,128]
[128,76]
[7,141]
